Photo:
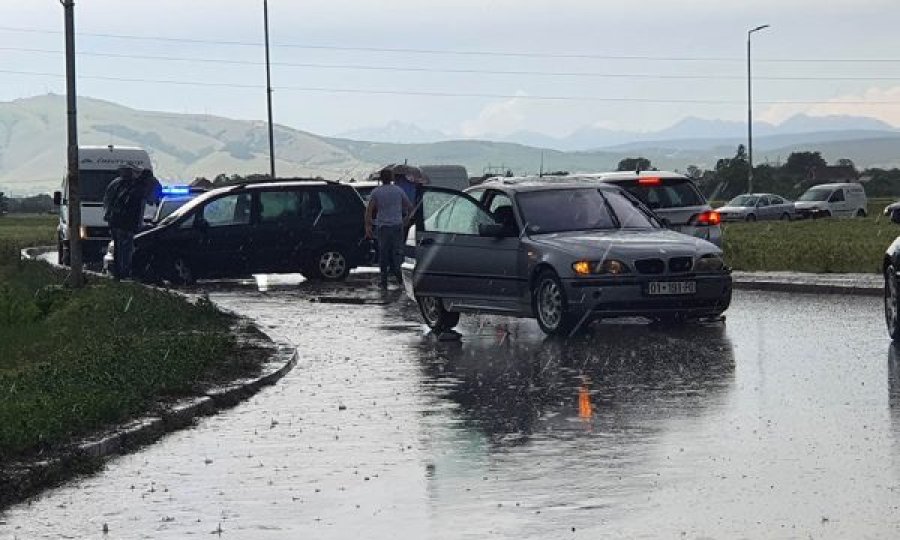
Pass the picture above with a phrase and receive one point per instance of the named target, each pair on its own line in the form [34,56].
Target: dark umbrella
[411,173]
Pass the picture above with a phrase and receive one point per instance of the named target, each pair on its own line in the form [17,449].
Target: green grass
[824,245]
[72,361]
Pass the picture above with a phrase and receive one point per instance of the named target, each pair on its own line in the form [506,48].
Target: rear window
[668,193]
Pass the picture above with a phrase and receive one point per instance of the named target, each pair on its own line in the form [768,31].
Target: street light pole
[750,111]
[73,195]
[269,91]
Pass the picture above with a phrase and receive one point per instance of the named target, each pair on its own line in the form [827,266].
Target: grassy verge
[824,245]
[75,361]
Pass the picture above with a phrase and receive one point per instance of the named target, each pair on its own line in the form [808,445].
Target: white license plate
[663,288]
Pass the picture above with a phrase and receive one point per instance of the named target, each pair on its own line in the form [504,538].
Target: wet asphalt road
[782,423]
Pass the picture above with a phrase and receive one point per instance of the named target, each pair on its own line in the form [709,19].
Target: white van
[833,200]
[97,167]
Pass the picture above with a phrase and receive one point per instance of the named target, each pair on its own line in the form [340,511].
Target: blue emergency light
[176,190]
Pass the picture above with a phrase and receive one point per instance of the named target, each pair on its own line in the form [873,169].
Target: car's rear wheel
[436,316]
[551,307]
[860,213]
[785,217]
[891,301]
[751,217]
[329,264]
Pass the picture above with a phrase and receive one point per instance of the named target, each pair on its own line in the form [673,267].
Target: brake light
[650,181]
[710,217]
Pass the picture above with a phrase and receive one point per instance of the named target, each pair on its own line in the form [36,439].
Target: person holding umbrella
[388,206]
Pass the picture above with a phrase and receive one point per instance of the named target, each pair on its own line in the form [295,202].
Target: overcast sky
[669,36]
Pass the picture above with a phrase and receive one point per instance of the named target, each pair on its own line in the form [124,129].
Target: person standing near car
[123,205]
[388,205]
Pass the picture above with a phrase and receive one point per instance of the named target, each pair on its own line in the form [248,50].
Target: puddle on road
[630,430]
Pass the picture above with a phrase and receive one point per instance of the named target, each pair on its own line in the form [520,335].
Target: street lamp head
[758,28]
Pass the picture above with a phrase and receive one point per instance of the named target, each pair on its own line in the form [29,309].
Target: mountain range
[183,146]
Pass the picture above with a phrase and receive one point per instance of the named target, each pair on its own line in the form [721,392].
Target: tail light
[650,181]
[710,217]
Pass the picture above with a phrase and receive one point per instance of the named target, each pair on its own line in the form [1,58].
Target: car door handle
[426,242]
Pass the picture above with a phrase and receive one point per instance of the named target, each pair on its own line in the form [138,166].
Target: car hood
[626,244]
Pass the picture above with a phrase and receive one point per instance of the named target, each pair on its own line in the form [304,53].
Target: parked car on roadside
[891,270]
[312,227]
[757,207]
[833,200]
[671,196]
[563,253]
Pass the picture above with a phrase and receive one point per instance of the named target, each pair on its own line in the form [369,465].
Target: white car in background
[833,200]
[757,207]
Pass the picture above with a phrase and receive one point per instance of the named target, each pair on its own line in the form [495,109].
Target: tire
[63,258]
[860,213]
[436,317]
[550,305]
[785,217]
[329,264]
[891,302]
[180,272]
[750,218]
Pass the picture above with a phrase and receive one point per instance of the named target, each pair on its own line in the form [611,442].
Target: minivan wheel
[891,301]
[436,317]
[181,273]
[329,264]
[860,213]
[751,217]
[551,308]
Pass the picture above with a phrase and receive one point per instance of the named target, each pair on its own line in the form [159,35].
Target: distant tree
[694,172]
[731,174]
[844,162]
[799,164]
[632,164]
[4,204]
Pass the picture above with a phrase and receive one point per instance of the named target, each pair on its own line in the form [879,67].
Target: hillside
[183,146]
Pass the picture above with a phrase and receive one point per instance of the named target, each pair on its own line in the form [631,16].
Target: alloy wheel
[431,310]
[550,303]
[332,265]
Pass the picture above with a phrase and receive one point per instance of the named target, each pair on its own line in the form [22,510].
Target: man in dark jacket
[123,204]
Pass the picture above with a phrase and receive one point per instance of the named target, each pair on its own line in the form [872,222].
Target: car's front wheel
[751,217]
[891,301]
[436,316]
[181,273]
[785,217]
[551,307]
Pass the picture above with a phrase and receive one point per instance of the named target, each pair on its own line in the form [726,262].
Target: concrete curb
[805,288]
[29,477]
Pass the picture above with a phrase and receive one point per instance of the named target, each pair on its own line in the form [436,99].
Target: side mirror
[57,198]
[494,230]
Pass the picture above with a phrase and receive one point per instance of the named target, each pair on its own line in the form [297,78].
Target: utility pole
[269,91]
[750,111]
[73,195]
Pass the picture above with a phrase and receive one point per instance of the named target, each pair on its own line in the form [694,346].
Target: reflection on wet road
[783,424]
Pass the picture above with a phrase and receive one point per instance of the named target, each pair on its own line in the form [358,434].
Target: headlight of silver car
[608,267]
[709,263]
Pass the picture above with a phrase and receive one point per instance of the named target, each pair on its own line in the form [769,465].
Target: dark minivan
[314,227]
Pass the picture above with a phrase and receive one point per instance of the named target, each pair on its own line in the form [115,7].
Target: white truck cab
[97,167]
[833,200]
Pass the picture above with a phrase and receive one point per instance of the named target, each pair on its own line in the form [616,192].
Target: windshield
[167,206]
[193,203]
[668,193]
[587,209]
[92,184]
[743,200]
[815,195]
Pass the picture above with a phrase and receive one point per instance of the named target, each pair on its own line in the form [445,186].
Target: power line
[458,52]
[450,94]
[405,69]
